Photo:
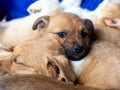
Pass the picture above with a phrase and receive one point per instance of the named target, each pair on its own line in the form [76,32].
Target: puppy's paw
[36,7]
[6,47]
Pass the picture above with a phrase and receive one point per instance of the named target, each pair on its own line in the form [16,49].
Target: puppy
[71,33]
[40,56]
[36,82]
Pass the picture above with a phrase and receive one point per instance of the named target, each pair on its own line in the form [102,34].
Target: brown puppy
[69,37]
[36,82]
[73,33]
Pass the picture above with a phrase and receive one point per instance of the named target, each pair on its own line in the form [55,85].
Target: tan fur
[46,53]
[101,66]
[39,57]
[36,82]
[109,34]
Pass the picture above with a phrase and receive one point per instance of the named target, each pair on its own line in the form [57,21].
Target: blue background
[13,9]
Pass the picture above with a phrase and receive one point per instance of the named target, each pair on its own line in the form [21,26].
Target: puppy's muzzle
[77,52]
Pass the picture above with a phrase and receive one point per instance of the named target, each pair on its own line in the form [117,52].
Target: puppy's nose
[78,48]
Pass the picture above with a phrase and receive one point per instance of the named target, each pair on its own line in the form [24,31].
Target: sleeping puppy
[40,56]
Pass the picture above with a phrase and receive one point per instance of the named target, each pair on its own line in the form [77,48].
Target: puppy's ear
[53,69]
[60,68]
[89,25]
[115,23]
[41,22]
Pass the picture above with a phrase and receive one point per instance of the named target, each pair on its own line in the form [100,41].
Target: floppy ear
[66,72]
[52,69]
[89,25]
[62,69]
[112,22]
[41,22]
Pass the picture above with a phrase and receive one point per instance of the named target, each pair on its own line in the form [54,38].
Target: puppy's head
[74,34]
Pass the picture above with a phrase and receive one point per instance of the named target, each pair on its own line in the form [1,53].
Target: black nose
[78,48]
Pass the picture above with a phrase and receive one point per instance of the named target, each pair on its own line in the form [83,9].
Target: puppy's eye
[15,60]
[84,34]
[62,34]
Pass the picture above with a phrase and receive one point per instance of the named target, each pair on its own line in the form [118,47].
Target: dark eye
[84,34]
[62,34]
[15,60]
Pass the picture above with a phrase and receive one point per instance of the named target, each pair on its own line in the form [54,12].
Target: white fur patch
[43,6]
[77,66]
